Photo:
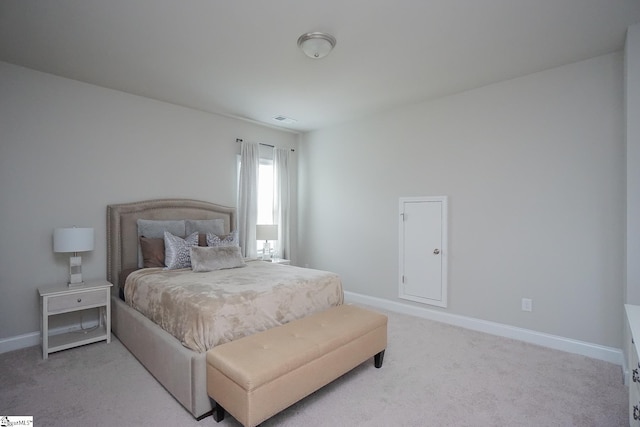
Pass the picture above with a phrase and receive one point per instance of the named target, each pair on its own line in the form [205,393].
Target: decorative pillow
[152,251]
[215,258]
[156,228]
[230,239]
[204,226]
[177,250]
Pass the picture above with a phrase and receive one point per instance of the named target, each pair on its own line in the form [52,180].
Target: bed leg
[378,358]
[218,411]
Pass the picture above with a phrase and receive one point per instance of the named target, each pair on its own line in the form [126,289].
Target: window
[265,194]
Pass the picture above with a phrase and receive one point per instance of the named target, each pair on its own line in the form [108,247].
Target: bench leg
[378,358]
[218,411]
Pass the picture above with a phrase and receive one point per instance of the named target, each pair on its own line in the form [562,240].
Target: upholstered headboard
[122,231]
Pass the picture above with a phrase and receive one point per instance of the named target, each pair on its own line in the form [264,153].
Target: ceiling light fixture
[316,45]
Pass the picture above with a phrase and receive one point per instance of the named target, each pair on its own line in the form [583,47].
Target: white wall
[68,149]
[535,173]
[632,113]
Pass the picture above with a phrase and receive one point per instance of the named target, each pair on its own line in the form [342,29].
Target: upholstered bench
[256,377]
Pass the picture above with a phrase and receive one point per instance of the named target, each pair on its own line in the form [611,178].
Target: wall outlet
[527,304]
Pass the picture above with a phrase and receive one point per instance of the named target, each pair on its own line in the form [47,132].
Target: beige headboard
[122,231]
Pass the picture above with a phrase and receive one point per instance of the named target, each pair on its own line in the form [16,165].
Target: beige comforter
[203,310]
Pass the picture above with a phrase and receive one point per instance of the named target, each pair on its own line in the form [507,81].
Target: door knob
[436,251]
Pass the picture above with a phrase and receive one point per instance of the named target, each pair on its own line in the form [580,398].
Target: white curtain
[281,198]
[248,198]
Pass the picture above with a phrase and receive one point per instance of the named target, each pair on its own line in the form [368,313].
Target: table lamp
[73,239]
[266,232]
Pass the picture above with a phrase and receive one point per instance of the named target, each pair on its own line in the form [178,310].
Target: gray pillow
[176,250]
[204,226]
[156,228]
[205,258]
[230,239]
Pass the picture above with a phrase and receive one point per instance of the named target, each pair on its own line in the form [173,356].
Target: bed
[181,370]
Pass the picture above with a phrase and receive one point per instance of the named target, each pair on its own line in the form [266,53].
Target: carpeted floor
[433,375]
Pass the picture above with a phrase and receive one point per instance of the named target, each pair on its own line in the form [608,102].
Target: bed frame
[180,370]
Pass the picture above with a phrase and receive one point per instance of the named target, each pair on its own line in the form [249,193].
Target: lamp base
[266,251]
[75,271]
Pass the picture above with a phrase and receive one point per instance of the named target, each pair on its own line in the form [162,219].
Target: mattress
[205,309]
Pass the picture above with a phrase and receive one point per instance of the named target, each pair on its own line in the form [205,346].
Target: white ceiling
[240,58]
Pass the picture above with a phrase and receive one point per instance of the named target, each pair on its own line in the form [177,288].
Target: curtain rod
[260,143]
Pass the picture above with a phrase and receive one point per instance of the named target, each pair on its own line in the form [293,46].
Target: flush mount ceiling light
[316,45]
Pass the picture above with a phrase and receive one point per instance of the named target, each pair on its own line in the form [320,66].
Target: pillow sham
[204,226]
[152,251]
[230,239]
[176,250]
[156,228]
[215,258]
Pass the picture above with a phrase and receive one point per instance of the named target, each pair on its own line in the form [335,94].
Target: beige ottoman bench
[256,377]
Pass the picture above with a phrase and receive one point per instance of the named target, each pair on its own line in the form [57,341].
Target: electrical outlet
[527,304]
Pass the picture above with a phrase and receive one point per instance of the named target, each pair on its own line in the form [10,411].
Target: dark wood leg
[218,411]
[205,415]
[378,358]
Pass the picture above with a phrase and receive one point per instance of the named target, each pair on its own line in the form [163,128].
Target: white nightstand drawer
[79,300]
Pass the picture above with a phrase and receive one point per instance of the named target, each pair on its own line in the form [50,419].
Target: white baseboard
[21,341]
[595,351]
[33,338]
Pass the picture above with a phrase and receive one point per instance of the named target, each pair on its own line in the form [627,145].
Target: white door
[423,250]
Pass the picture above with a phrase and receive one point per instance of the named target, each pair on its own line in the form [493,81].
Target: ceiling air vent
[285,120]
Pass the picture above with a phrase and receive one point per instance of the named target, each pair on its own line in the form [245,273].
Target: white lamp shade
[266,232]
[73,239]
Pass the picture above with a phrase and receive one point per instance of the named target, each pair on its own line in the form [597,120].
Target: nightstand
[64,299]
[279,261]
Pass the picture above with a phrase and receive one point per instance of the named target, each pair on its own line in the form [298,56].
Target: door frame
[444,250]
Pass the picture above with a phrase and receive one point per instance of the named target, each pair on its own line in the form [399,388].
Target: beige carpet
[433,375]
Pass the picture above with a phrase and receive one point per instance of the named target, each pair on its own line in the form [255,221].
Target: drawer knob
[79,299]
